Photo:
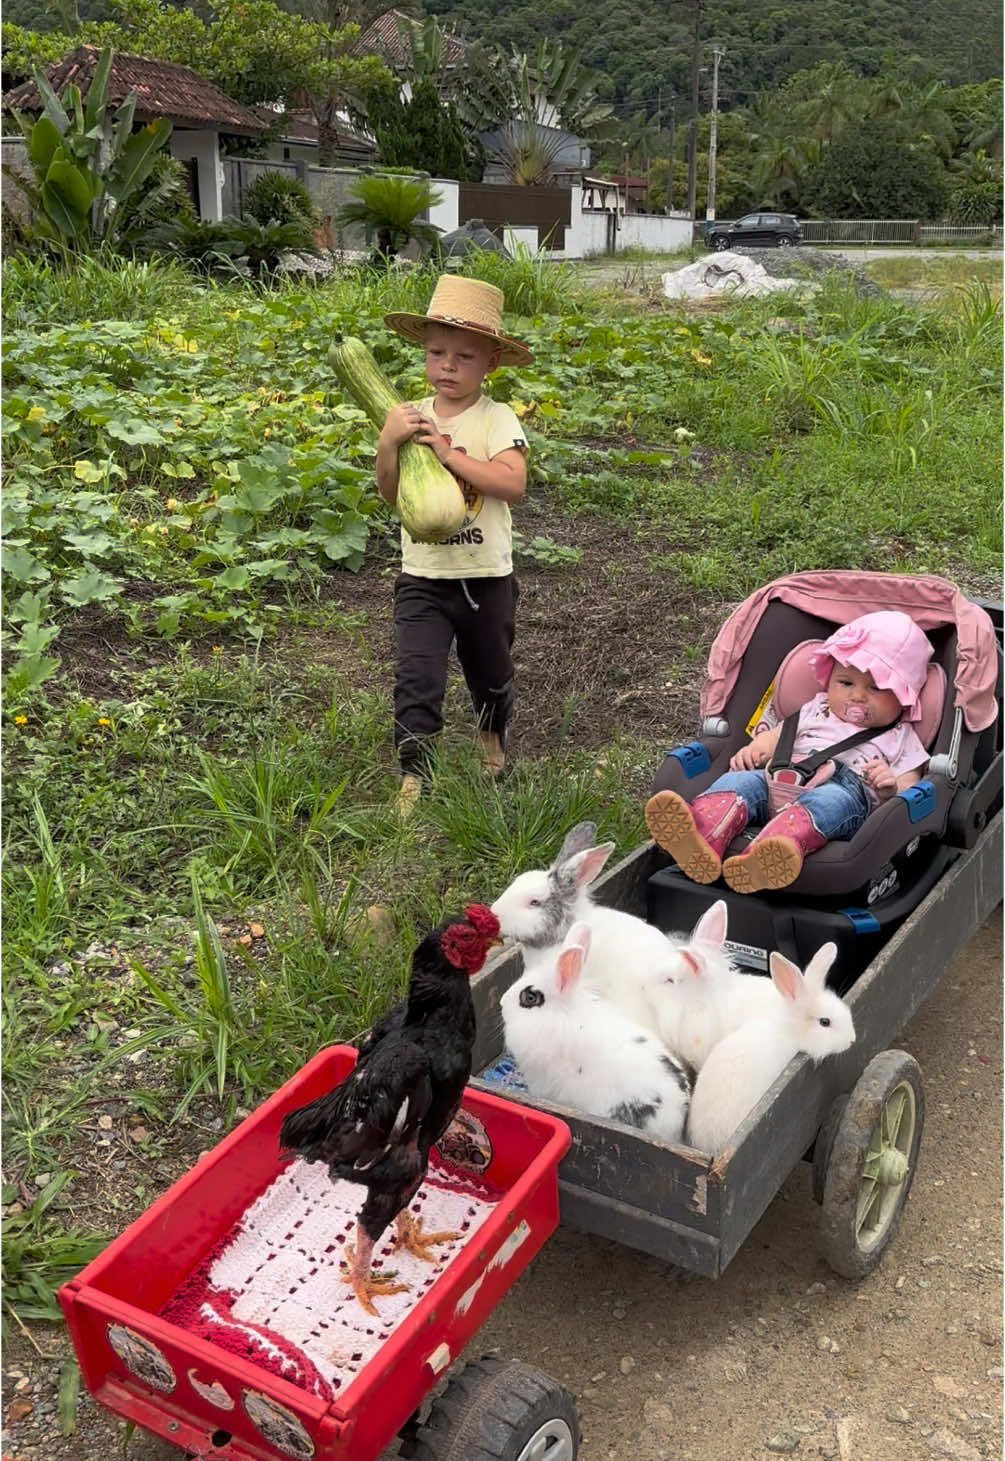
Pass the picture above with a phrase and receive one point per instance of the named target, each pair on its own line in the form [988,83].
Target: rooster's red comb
[483,919]
[465,945]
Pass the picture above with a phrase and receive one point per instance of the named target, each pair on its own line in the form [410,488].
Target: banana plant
[86,162]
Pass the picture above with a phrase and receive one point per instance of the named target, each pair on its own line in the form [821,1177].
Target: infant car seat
[856,892]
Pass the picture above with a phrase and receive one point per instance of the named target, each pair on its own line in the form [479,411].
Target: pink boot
[775,857]
[697,833]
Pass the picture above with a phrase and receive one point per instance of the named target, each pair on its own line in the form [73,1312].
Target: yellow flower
[36,414]
[103,720]
[218,649]
[172,504]
[700,359]
[20,720]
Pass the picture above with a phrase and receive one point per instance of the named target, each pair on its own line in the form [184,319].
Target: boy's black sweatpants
[429,615]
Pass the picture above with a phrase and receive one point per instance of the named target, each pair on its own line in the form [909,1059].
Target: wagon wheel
[824,1145]
[870,1165]
[500,1410]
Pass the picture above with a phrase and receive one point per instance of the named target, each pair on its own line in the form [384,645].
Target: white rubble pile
[726,273]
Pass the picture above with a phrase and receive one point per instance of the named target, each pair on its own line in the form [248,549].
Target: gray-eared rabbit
[579,1050]
[745,1064]
[539,908]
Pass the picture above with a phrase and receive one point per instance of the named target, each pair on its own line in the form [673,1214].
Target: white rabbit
[539,907]
[701,996]
[579,1050]
[746,1063]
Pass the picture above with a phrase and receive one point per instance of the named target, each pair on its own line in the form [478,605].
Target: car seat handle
[947,763]
[715,727]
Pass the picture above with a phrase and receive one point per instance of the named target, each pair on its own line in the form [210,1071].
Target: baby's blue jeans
[838,807]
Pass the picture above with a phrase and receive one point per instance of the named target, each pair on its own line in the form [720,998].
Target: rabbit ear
[581,869]
[817,968]
[691,962]
[787,977]
[577,839]
[573,956]
[711,926]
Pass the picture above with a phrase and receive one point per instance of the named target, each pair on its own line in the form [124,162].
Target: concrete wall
[15,156]
[445,214]
[656,232]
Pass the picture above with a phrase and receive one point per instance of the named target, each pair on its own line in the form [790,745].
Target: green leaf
[137,159]
[97,92]
[29,608]
[93,545]
[236,576]
[69,1389]
[42,145]
[86,471]
[51,104]
[23,566]
[72,185]
[88,588]
[29,672]
[36,637]
[136,432]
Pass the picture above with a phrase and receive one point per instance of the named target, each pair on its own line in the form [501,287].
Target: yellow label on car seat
[762,707]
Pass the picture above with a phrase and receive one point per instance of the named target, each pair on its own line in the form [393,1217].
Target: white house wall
[203,146]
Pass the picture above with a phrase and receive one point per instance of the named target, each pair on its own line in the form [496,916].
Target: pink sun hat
[888,646]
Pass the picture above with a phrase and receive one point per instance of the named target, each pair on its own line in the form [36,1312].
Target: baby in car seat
[860,751]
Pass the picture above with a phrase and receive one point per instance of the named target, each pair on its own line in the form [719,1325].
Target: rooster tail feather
[307,1126]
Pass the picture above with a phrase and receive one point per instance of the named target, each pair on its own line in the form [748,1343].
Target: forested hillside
[644,46]
[641,48]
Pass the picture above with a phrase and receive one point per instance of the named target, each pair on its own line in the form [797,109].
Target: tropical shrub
[390,209]
[83,183]
[276,196]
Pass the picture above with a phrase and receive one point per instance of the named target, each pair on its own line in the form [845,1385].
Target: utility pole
[692,124]
[717,53]
[672,150]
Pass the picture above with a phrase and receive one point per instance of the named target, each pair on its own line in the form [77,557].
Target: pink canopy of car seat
[841,595]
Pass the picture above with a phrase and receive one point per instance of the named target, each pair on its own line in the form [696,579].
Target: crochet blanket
[272,1289]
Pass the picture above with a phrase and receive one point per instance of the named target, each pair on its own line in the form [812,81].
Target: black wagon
[899,914]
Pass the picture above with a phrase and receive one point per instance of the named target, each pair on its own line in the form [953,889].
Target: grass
[231,770]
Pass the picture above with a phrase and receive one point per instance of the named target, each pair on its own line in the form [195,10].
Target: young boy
[462,589]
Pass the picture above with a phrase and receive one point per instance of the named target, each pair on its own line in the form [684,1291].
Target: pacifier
[857,715]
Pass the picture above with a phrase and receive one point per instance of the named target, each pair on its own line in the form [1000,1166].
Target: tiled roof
[162,89]
[382,38]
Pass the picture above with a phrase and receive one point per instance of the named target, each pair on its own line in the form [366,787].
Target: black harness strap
[783,750]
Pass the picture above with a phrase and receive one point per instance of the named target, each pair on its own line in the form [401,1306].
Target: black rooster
[377,1126]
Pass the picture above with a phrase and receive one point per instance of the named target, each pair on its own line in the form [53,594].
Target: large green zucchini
[430,501]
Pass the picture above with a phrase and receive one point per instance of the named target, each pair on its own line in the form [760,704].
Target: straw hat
[468,304]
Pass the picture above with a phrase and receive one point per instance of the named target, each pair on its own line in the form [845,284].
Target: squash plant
[87,163]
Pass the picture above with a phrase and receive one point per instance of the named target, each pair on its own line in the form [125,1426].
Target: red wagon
[184,1323]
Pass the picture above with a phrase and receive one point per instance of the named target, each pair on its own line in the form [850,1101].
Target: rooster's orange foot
[367,1285]
[411,1237]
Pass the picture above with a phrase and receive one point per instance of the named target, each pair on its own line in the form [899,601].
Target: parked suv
[758,230]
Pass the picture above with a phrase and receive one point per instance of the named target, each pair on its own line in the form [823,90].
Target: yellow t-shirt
[483,546]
